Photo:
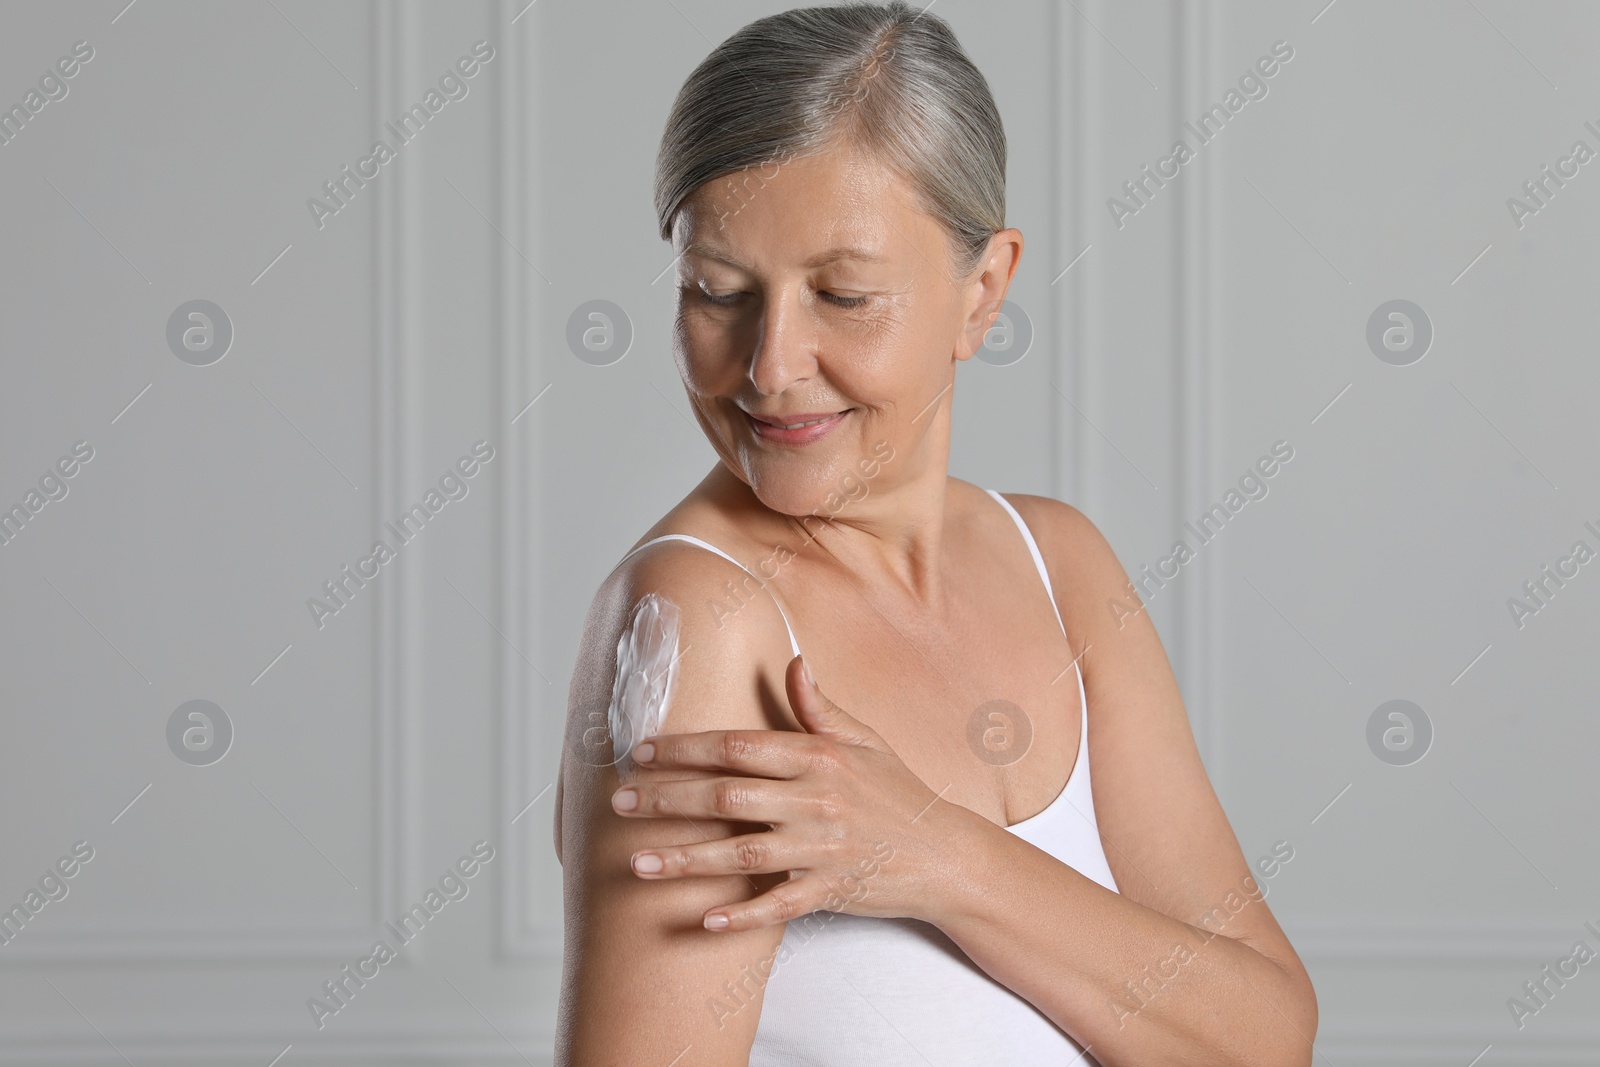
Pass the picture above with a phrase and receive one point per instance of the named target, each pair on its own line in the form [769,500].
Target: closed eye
[729,299]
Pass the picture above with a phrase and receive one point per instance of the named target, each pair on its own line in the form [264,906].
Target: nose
[785,350]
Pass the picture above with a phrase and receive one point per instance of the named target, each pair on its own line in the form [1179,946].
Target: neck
[889,526]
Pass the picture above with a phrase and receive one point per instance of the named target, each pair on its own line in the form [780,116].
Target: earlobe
[983,320]
[971,337]
[966,347]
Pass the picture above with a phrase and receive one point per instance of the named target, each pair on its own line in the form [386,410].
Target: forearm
[1131,984]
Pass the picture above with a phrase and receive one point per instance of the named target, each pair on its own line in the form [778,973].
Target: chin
[803,492]
[824,486]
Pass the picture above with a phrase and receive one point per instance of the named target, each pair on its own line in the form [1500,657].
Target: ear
[985,291]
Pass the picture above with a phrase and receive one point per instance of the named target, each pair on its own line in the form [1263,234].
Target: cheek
[705,352]
[896,346]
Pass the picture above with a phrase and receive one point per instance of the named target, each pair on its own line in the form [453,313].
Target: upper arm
[642,979]
[1168,841]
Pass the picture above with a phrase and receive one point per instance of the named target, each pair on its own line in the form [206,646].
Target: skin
[916,602]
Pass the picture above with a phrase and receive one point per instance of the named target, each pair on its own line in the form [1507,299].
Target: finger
[754,753]
[779,904]
[820,716]
[730,799]
[765,852]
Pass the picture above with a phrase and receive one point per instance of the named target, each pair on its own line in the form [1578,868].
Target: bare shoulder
[643,978]
[1168,841]
[1097,602]
[1083,567]
[730,634]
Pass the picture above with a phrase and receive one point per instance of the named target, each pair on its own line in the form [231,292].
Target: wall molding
[399,682]
[1373,941]
[1196,222]
[1195,262]
[397,610]
[1069,303]
[1429,1041]
[527,725]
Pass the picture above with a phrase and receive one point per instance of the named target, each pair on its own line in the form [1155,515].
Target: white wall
[1227,314]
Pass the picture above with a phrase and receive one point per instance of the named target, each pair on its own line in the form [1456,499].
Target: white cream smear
[647,668]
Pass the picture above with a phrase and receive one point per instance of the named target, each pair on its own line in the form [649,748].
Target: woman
[906,853]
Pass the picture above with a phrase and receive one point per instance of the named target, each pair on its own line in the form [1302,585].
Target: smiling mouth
[802,432]
[799,425]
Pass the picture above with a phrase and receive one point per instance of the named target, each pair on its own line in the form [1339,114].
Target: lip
[804,435]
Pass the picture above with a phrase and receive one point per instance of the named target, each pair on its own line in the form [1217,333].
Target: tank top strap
[1033,549]
[793,644]
[1044,576]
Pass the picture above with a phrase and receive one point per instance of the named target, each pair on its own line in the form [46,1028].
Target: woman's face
[817,287]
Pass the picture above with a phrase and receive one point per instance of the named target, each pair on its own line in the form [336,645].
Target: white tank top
[862,991]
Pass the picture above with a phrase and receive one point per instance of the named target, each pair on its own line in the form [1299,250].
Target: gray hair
[885,77]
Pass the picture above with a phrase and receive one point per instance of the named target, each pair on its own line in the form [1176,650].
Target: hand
[856,829]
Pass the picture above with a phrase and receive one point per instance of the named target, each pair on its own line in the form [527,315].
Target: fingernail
[716,922]
[645,752]
[805,669]
[625,799]
[647,863]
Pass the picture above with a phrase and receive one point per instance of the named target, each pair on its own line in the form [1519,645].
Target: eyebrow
[821,259]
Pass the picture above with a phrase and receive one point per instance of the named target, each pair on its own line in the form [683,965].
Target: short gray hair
[886,77]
